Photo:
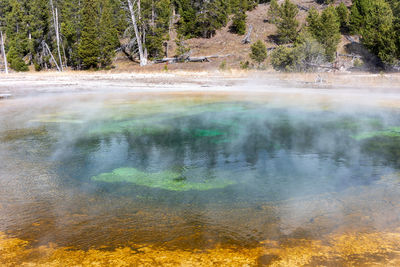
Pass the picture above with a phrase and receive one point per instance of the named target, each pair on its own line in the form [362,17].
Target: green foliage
[244,65]
[70,28]
[258,52]
[213,16]
[15,60]
[314,22]
[108,39]
[325,28]
[358,63]
[306,55]
[309,52]
[157,15]
[359,10]
[239,23]
[284,17]
[283,58]
[273,12]
[344,17]
[187,22]
[91,29]
[374,20]
[182,47]
[203,18]
[89,49]
[330,32]
[17,32]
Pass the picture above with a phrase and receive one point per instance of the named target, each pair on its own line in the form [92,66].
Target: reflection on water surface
[256,179]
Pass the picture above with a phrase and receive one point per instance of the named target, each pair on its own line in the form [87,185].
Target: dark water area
[191,172]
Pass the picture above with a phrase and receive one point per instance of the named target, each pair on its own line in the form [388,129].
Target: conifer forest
[87,34]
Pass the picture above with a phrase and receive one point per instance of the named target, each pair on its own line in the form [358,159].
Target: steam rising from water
[296,166]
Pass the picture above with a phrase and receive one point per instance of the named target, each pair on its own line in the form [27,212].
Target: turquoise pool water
[189,171]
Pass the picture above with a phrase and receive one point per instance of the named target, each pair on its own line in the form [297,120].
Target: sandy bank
[23,84]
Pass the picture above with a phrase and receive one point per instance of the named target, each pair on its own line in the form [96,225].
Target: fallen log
[198,59]
[166,60]
[350,55]
[188,59]
[322,66]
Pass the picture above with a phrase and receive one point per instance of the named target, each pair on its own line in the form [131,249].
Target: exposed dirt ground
[225,43]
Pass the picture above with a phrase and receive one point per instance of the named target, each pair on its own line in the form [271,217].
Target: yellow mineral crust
[352,249]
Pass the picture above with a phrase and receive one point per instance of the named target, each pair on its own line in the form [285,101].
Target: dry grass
[226,43]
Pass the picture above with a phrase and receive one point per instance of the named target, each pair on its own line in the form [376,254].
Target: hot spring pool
[261,176]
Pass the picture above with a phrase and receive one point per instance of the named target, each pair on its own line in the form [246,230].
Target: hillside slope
[226,43]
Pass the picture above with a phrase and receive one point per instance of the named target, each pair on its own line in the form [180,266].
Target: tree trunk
[152,13]
[55,23]
[143,59]
[247,38]
[3,50]
[51,54]
[58,41]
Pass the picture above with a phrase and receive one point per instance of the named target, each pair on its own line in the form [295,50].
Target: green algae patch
[168,180]
[138,127]
[207,133]
[389,132]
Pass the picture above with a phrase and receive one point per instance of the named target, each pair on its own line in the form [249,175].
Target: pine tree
[70,28]
[239,19]
[377,30]
[330,32]
[18,36]
[287,23]
[187,22]
[15,60]
[39,28]
[258,52]
[273,12]
[314,22]
[108,40]
[344,17]
[88,49]
[359,9]
[158,18]
[239,23]
[395,4]
[284,59]
[325,28]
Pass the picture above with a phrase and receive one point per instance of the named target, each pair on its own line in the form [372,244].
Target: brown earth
[226,43]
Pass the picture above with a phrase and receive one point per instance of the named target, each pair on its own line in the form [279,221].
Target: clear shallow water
[193,171]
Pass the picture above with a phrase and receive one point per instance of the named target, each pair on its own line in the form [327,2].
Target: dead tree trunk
[51,54]
[143,59]
[247,38]
[3,51]
[55,23]
[58,41]
[152,14]
[188,58]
